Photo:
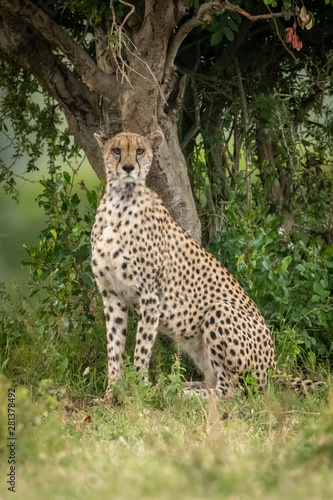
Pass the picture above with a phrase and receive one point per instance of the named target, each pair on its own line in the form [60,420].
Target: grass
[158,444]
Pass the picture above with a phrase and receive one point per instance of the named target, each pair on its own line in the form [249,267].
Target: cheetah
[142,258]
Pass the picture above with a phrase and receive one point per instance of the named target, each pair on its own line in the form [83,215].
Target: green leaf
[77,230]
[4,363]
[268,2]
[75,200]
[84,252]
[27,248]
[317,288]
[72,274]
[67,177]
[229,34]
[286,14]
[54,233]
[216,38]
[87,280]
[285,263]
[232,25]
[328,253]
[266,265]
[92,197]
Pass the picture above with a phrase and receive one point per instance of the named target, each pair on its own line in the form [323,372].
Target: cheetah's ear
[101,139]
[156,139]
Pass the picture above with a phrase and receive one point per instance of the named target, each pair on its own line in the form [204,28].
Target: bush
[290,277]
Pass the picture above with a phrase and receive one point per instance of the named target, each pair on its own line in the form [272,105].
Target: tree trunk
[277,182]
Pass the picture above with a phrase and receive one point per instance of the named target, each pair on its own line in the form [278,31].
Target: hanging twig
[122,40]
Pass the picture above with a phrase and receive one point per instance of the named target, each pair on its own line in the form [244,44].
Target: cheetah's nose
[128,168]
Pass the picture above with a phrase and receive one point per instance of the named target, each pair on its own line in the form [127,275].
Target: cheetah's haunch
[141,257]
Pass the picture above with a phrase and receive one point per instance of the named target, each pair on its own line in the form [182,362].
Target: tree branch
[236,8]
[94,78]
[204,15]
[75,99]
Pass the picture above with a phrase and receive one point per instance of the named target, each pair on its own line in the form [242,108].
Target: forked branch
[94,77]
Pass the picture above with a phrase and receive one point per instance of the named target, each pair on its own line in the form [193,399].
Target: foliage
[290,277]
[279,245]
[31,125]
[60,264]
[60,322]
[253,104]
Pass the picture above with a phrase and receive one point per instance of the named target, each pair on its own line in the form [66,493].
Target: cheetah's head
[127,156]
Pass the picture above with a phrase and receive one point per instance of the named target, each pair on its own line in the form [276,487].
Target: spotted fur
[142,258]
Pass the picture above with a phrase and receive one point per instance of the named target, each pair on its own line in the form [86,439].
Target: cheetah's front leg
[149,314]
[115,312]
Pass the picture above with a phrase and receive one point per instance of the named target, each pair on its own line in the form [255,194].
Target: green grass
[159,444]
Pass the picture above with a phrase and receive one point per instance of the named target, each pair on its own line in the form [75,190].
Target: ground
[155,444]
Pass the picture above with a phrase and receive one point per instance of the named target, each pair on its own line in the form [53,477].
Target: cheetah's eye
[140,152]
[116,151]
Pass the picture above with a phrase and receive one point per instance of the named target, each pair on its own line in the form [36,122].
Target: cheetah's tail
[298,383]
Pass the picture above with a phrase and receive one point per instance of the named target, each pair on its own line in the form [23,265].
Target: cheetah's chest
[114,253]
